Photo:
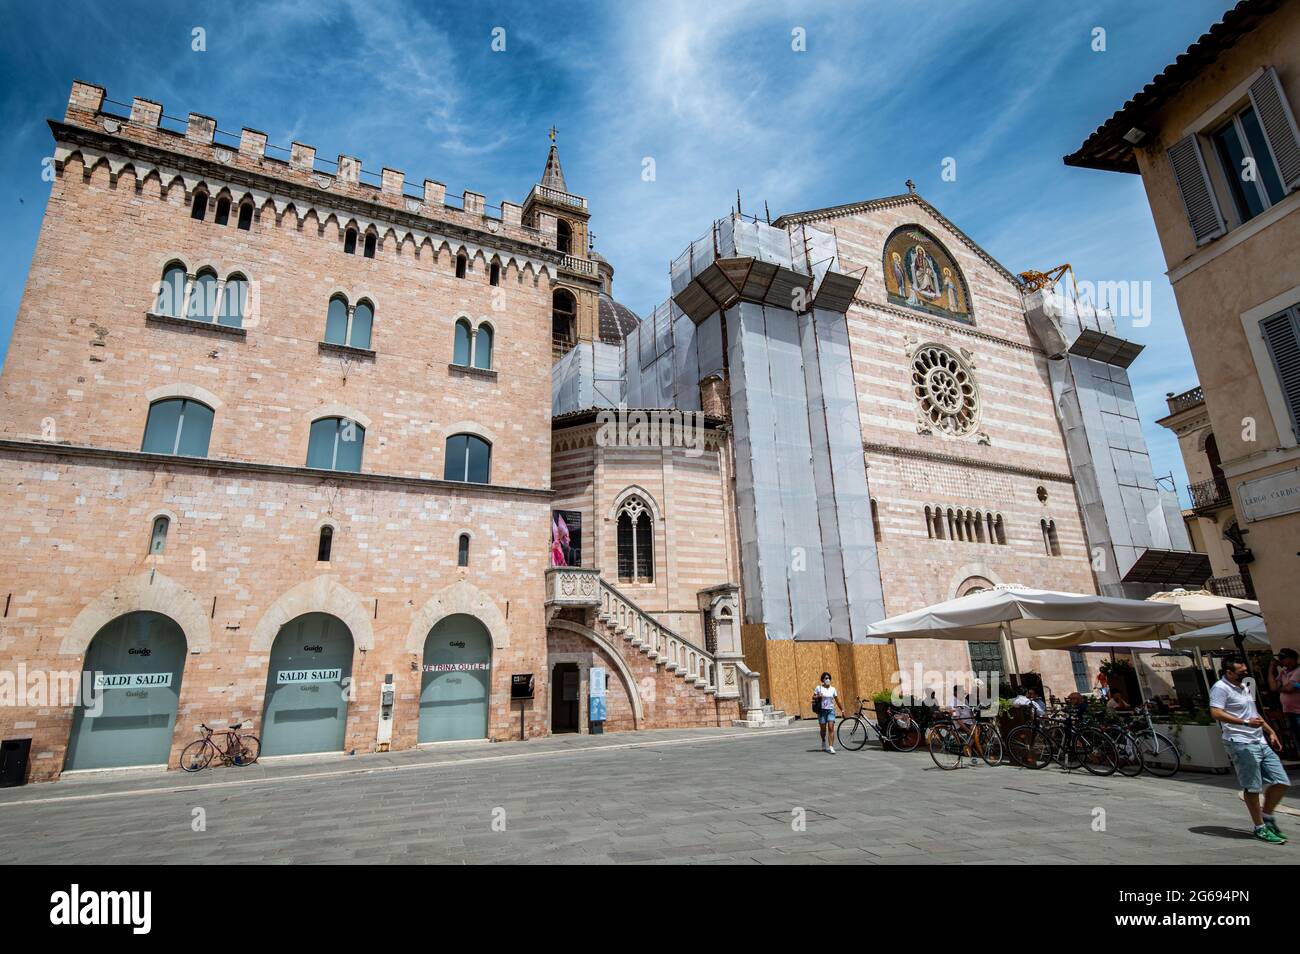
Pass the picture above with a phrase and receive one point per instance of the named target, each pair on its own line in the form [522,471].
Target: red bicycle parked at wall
[236,749]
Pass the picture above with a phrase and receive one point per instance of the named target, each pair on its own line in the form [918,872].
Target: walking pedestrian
[825,698]
[1259,770]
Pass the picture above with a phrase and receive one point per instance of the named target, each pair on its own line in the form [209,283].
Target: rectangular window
[1282,336]
[1247,164]
[1080,667]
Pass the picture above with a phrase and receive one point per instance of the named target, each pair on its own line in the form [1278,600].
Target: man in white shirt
[1259,770]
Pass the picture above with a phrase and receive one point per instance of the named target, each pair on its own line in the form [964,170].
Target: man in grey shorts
[1259,770]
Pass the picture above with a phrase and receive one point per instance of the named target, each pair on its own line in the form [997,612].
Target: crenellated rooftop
[144,124]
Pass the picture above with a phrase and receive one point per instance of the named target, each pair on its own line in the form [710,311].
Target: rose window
[945,388]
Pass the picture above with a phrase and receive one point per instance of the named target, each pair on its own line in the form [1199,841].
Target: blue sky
[713,91]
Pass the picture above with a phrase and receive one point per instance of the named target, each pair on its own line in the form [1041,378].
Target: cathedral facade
[366,466]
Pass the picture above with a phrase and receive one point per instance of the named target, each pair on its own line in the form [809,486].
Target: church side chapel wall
[688,498]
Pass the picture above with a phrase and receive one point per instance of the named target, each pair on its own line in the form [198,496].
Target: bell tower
[562,218]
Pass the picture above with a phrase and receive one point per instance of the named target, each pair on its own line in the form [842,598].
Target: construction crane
[1032,281]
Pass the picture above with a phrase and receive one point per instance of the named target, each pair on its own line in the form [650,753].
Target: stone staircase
[641,634]
[771,719]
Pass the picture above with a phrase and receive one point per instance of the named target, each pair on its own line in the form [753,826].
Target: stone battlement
[201,139]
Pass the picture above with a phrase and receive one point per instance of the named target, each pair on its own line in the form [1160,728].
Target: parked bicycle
[235,749]
[901,731]
[1160,755]
[1064,739]
[951,739]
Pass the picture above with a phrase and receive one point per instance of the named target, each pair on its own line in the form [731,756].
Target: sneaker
[1264,833]
[830,749]
[1272,826]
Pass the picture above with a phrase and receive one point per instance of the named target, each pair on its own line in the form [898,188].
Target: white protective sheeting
[1048,619]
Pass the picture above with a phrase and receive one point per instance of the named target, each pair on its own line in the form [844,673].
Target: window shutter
[1282,335]
[1194,184]
[1279,125]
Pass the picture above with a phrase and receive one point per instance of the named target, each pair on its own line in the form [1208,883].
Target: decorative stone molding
[149,592]
[461,597]
[572,586]
[945,390]
[321,595]
[180,390]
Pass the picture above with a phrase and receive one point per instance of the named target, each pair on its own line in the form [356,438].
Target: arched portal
[456,680]
[136,662]
[307,685]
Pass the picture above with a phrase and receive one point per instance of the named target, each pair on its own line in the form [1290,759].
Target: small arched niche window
[158,535]
[875,519]
[199,205]
[246,215]
[1051,540]
[203,296]
[564,237]
[461,347]
[494,274]
[483,347]
[635,542]
[234,301]
[336,443]
[223,211]
[999,530]
[462,550]
[462,265]
[350,241]
[468,459]
[371,244]
[564,311]
[178,426]
[171,291]
[325,545]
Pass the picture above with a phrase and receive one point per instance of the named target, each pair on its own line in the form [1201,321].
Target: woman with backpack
[825,698]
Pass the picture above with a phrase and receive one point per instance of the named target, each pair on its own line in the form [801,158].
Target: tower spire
[553,175]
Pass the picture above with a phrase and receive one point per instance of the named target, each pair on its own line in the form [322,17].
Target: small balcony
[556,197]
[1188,399]
[572,586]
[1210,494]
[1231,586]
[579,266]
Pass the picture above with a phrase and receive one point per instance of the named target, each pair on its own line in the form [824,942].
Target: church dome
[616,319]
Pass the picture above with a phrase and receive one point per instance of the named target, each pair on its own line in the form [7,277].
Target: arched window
[246,215]
[363,320]
[483,347]
[336,444]
[469,459]
[325,545]
[462,265]
[635,542]
[158,535]
[223,211]
[203,296]
[178,426]
[875,519]
[564,237]
[199,205]
[234,301]
[171,292]
[371,244]
[350,241]
[462,550]
[336,321]
[998,530]
[494,274]
[564,312]
[929,523]
[349,326]
[1051,540]
[461,347]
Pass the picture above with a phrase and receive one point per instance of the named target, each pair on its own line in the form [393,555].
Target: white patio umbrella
[1219,637]
[1048,619]
[1202,608]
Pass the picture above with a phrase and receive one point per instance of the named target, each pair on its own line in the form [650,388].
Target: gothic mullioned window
[1051,540]
[349,326]
[636,562]
[944,387]
[964,526]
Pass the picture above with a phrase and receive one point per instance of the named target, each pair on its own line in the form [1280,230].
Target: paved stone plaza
[704,795]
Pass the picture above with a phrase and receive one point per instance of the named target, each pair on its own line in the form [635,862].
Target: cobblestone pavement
[709,795]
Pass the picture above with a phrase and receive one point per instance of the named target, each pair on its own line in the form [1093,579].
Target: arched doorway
[455,680]
[137,661]
[307,684]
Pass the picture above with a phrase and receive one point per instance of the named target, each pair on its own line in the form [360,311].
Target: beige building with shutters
[1214,138]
